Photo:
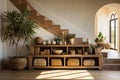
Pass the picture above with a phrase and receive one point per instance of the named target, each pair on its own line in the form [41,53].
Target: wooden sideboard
[73,56]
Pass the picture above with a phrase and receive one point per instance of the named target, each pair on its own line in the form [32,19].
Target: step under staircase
[112,60]
[111,64]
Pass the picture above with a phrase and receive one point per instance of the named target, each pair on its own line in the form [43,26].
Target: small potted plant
[58,40]
[70,38]
[100,39]
[18,30]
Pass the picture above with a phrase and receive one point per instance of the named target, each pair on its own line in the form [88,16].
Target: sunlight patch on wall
[65,74]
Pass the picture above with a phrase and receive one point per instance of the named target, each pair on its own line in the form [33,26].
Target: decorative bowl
[57,51]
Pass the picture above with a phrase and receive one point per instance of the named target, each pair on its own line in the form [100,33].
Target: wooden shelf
[63,58]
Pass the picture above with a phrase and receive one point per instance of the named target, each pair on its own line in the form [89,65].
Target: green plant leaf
[19,27]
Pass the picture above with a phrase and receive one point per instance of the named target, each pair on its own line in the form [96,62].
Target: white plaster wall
[76,15]
[2,8]
[103,22]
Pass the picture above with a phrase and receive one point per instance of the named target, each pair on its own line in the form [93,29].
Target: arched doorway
[107,22]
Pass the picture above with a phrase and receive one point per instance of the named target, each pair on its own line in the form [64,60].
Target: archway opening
[107,21]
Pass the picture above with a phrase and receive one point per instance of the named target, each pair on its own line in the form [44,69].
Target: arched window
[113,30]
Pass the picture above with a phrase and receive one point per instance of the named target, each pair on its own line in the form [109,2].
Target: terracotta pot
[17,63]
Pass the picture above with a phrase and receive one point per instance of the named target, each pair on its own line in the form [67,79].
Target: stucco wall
[76,15]
[2,8]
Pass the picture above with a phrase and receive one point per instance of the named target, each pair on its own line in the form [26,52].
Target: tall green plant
[19,28]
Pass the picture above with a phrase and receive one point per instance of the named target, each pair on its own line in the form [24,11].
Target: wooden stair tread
[35,13]
[19,3]
[112,64]
[111,61]
[47,22]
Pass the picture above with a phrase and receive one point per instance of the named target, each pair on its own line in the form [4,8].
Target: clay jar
[38,40]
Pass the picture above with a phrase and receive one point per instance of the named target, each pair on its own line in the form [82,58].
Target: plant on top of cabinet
[100,38]
[58,40]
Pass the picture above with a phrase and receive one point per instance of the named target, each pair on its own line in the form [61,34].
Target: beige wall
[2,8]
[76,15]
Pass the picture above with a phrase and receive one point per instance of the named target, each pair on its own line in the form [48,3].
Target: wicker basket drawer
[56,62]
[89,62]
[39,62]
[73,62]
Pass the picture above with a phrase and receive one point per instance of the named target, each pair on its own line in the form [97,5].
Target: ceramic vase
[71,40]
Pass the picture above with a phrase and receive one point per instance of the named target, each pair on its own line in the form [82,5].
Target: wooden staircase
[41,20]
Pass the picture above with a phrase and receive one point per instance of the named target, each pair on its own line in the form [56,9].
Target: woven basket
[89,62]
[39,62]
[17,63]
[73,62]
[56,62]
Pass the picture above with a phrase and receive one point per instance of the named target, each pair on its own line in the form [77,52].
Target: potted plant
[18,30]
[100,39]
[58,40]
[70,38]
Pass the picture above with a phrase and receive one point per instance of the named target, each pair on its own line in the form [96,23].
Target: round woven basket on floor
[17,63]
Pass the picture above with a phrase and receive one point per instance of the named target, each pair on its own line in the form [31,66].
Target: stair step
[47,22]
[19,3]
[37,19]
[34,13]
[111,61]
[56,28]
[111,66]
